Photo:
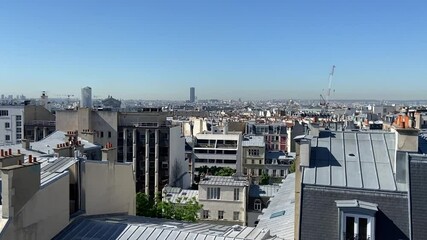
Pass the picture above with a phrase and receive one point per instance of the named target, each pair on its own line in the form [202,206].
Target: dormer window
[357,219]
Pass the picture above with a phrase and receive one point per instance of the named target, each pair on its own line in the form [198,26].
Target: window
[274,172]
[253,152]
[18,136]
[257,205]
[214,193]
[109,134]
[18,130]
[282,173]
[18,118]
[102,134]
[236,194]
[357,219]
[205,214]
[4,113]
[18,123]
[7,137]
[6,125]
[220,214]
[236,216]
[357,226]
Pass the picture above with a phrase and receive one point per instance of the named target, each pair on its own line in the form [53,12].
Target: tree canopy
[185,209]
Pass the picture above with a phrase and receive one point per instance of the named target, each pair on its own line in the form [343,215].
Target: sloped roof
[361,160]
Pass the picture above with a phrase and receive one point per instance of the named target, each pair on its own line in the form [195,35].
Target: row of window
[4,113]
[205,151]
[101,134]
[206,214]
[7,137]
[259,172]
[253,152]
[199,160]
[215,193]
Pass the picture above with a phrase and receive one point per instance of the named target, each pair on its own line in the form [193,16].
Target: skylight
[277,214]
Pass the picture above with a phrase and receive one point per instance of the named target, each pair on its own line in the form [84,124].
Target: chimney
[303,149]
[109,153]
[19,184]
[8,159]
[25,144]
[63,150]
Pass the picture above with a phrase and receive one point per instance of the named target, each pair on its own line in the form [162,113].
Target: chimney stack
[25,144]
[109,153]
[8,159]
[19,184]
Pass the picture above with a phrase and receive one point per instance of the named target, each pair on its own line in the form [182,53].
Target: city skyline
[226,50]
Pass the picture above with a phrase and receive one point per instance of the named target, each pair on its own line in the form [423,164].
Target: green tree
[264,179]
[185,209]
[292,167]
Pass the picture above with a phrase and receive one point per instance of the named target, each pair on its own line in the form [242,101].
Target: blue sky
[225,48]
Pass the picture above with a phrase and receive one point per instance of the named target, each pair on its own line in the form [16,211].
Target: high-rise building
[192,94]
[86,101]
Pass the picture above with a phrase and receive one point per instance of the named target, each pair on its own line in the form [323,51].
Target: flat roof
[361,160]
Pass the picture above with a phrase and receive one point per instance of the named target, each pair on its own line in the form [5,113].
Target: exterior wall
[14,131]
[258,160]
[43,216]
[178,166]
[319,213]
[226,203]
[106,122]
[66,120]
[418,195]
[108,188]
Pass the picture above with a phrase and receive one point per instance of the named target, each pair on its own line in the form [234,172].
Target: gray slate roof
[278,217]
[131,227]
[224,181]
[353,160]
[54,168]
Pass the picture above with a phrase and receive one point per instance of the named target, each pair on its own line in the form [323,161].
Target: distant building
[220,150]
[11,124]
[275,134]
[192,94]
[259,198]
[86,99]
[223,199]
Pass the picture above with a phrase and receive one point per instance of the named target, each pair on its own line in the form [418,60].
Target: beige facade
[225,203]
[253,160]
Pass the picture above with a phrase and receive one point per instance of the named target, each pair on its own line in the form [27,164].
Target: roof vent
[237,228]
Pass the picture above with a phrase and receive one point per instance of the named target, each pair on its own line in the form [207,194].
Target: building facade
[224,199]
[11,124]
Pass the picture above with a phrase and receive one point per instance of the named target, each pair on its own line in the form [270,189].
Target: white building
[11,124]
[220,150]
[223,199]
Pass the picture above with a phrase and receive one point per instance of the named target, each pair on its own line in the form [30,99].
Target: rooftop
[361,160]
[263,190]
[224,181]
[253,141]
[132,227]
[278,217]
[172,194]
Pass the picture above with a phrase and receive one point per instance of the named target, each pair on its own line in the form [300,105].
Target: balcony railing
[351,236]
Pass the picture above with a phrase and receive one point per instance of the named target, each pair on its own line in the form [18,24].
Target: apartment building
[220,150]
[154,146]
[11,124]
[224,199]
[253,155]
[275,134]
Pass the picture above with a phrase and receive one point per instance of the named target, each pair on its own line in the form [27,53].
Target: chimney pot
[10,152]
[19,151]
[58,145]
[2,153]
[34,159]
[30,158]
[19,162]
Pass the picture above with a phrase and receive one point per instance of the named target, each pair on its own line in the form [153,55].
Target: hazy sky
[225,48]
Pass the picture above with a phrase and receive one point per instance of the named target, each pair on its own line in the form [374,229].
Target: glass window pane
[349,228]
[363,228]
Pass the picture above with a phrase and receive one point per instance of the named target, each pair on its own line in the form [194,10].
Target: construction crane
[325,100]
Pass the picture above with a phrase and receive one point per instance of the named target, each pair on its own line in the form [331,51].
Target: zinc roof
[278,217]
[224,181]
[131,227]
[353,160]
